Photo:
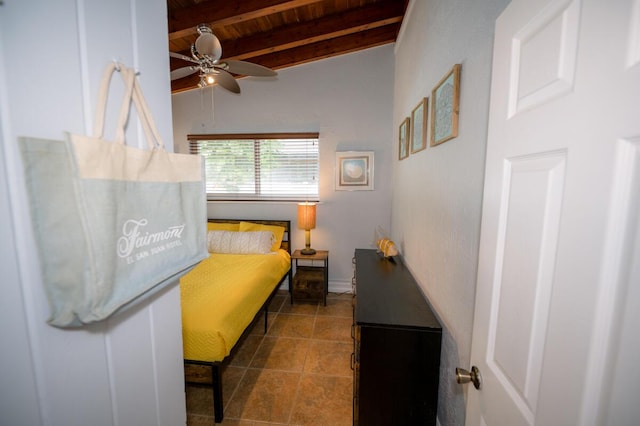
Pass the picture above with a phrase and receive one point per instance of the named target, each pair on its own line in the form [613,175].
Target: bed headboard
[286,224]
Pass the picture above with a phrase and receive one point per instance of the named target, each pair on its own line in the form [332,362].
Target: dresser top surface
[388,295]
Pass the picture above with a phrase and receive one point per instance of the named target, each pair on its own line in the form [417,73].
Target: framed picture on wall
[354,170]
[419,126]
[445,98]
[403,139]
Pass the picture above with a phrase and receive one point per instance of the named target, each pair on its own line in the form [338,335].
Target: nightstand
[311,281]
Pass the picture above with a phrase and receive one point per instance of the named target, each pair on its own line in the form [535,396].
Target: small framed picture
[403,139]
[445,98]
[419,126]
[354,170]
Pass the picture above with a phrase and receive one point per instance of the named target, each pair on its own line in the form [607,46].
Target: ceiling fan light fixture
[210,79]
[207,44]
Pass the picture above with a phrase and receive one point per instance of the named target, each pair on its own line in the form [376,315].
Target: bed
[227,292]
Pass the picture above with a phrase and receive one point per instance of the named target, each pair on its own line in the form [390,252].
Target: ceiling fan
[206,53]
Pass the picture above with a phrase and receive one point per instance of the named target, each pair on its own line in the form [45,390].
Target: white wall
[348,100]
[127,370]
[437,193]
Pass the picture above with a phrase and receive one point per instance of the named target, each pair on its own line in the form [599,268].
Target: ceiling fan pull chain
[202,101]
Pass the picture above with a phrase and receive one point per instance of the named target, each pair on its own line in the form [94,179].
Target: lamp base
[307,250]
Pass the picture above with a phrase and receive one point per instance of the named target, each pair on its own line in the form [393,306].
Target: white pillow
[258,242]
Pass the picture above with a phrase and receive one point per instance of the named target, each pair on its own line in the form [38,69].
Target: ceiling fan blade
[183,72]
[226,80]
[209,45]
[249,68]
[183,57]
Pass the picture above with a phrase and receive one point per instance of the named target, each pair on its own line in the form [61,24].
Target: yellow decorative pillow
[222,226]
[278,231]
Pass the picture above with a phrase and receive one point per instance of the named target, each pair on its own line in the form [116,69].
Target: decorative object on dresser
[311,280]
[307,221]
[397,339]
[383,243]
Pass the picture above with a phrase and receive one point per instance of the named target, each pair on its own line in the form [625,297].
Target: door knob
[463,376]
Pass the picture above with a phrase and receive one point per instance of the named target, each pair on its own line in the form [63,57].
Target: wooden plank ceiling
[282,33]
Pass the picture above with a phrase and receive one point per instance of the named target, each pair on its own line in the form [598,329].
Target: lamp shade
[306,216]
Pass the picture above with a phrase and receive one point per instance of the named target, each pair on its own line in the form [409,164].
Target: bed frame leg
[216,383]
[266,315]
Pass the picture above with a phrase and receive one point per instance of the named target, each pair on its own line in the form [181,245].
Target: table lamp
[307,221]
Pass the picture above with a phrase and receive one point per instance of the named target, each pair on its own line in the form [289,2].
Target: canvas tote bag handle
[132,92]
[142,107]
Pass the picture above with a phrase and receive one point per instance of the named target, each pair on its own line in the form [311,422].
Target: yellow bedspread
[221,296]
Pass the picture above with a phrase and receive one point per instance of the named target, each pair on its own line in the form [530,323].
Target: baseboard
[340,287]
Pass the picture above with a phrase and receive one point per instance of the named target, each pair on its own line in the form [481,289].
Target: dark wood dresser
[397,338]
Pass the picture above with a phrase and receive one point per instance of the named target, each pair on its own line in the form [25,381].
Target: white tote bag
[112,222]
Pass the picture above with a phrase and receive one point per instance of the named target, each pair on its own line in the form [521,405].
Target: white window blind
[268,167]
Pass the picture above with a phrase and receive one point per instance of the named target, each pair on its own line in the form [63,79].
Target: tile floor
[297,374]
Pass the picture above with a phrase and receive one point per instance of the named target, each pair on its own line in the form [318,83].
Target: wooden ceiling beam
[183,84]
[330,48]
[332,26]
[183,21]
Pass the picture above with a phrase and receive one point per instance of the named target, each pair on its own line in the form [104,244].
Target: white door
[555,332]
[126,371]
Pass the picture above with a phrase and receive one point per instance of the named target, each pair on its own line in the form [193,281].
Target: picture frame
[419,126]
[445,106]
[403,138]
[354,171]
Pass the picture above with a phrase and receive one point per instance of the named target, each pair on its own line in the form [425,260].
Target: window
[266,167]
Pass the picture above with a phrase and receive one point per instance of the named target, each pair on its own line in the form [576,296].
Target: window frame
[193,140]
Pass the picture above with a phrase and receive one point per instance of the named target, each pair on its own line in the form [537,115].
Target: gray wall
[348,100]
[437,193]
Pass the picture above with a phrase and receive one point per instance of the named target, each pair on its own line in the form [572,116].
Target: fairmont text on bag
[112,222]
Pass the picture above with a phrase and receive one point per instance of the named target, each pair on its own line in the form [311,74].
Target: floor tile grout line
[262,336]
[320,315]
[235,390]
[301,372]
[297,392]
[307,338]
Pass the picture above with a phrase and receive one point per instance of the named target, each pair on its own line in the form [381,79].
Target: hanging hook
[119,66]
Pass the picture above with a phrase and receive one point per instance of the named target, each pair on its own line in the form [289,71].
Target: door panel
[527,239]
[544,55]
